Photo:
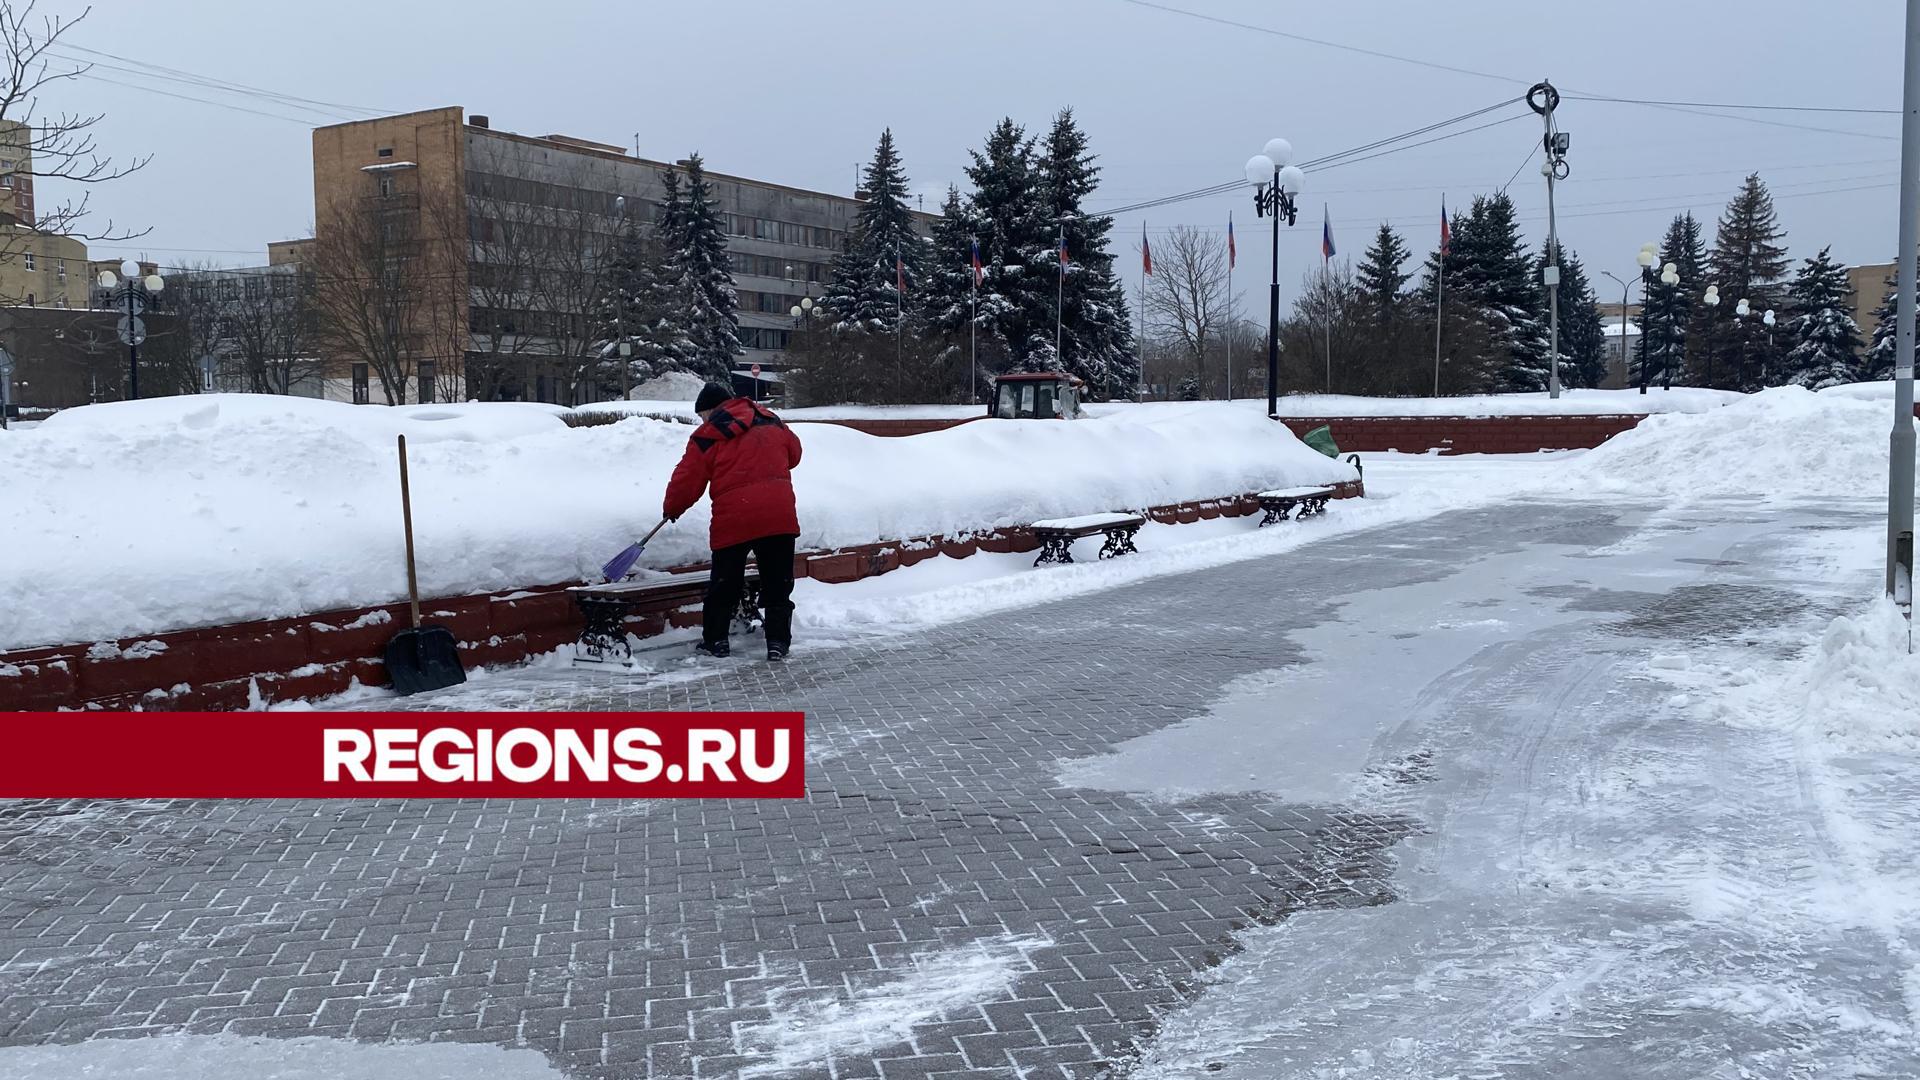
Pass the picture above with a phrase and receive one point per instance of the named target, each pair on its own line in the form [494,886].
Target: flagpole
[1141,340]
[899,317]
[1060,296]
[1439,308]
[1229,305]
[1326,274]
[973,339]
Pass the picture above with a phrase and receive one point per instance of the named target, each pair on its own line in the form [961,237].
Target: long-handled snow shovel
[621,565]
[423,657]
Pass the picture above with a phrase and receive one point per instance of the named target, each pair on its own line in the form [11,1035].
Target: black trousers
[774,556]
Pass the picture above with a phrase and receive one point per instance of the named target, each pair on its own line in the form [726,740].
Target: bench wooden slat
[1091,522]
[1295,493]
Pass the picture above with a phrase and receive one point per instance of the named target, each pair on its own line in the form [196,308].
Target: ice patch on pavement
[812,1025]
[235,1057]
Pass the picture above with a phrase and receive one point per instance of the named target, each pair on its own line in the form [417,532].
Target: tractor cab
[1037,395]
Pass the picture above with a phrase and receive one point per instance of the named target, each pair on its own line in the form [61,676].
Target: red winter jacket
[745,453]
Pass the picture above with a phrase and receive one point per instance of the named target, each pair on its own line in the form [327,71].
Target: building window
[427,371]
[361,393]
[386,151]
[60,268]
[27,261]
[386,185]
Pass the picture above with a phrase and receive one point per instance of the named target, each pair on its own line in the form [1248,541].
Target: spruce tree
[700,276]
[1748,262]
[1096,324]
[1583,343]
[863,292]
[638,307]
[1879,360]
[1379,275]
[1017,246]
[1826,340]
[1667,311]
[1496,276]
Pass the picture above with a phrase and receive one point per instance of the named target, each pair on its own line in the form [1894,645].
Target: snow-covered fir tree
[1096,326]
[1826,340]
[863,292]
[1380,277]
[944,301]
[1017,247]
[1748,261]
[637,307]
[1494,273]
[1583,343]
[1667,312]
[1879,360]
[699,274]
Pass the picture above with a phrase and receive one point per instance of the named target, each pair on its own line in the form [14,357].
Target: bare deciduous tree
[1186,298]
[41,146]
[372,298]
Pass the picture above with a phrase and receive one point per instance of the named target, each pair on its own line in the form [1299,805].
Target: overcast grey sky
[797,93]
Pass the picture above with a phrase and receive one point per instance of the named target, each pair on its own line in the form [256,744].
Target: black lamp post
[1275,183]
[135,291]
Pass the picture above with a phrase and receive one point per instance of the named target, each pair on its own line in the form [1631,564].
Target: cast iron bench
[1057,535]
[604,608]
[1282,502]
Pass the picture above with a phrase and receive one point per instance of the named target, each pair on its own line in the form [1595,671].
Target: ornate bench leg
[1055,549]
[1119,542]
[604,635]
[1314,507]
[1272,514]
[748,613]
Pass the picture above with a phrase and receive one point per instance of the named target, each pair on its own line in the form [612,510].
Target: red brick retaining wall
[1467,434]
[1375,434]
[893,428]
[227,667]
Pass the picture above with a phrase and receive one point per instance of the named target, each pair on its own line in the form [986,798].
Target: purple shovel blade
[620,565]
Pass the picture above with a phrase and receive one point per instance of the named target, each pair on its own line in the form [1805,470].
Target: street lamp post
[1741,310]
[1670,277]
[1275,183]
[624,348]
[136,291]
[1712,300]
[1626,289]
[1646,259]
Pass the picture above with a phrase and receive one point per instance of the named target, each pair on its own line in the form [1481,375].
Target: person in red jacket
[745,454]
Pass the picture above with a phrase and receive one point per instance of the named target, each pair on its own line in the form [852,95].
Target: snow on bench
[1087,521]
[1295,493]
[1281,502]
[1058,534]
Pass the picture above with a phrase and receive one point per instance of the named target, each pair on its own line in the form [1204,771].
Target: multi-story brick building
[512,340]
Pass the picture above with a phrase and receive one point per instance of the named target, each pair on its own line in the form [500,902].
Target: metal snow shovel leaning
[621,565]
[423,657]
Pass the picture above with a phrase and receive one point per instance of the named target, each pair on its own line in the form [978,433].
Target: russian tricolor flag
[1446,233]
[978,272]
[1230,251]
[1326,233]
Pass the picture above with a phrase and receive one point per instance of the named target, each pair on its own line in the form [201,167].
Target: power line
[226,84]
[1338,158]
[1733,105]
[188,97]
[1375,53]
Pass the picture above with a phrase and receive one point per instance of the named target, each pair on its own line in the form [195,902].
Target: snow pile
[1785,442]
[812,1025]
[136,518]
[237,1057]
[678,386]
[1856,693]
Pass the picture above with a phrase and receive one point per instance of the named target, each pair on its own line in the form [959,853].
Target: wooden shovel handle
[406,517]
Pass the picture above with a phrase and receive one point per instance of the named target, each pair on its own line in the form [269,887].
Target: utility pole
[1901,442]
[1543,99]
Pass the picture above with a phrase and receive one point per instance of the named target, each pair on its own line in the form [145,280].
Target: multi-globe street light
[1275,183]
[135,291]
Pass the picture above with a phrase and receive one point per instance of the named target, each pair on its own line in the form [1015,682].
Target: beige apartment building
[404,171]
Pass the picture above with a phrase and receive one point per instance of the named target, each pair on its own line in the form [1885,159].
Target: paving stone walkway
[938,906]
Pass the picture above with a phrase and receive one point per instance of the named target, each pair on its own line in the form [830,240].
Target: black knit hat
[711,397]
